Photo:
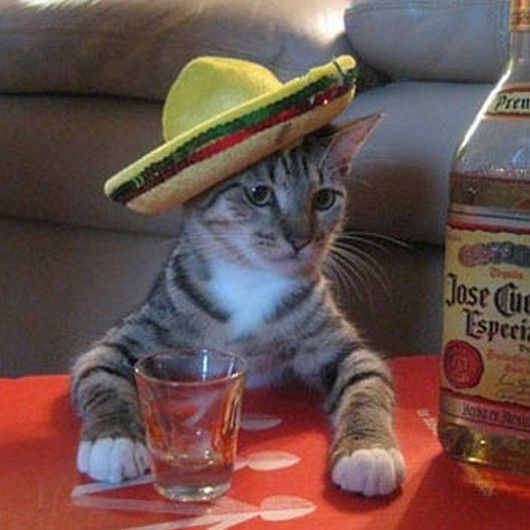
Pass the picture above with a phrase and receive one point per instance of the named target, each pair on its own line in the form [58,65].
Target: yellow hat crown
[208,86]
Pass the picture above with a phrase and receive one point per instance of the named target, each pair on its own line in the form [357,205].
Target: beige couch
[81,85]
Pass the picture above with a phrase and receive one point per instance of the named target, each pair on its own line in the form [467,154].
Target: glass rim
[240,373]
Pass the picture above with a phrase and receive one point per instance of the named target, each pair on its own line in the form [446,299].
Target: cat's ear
[346,141]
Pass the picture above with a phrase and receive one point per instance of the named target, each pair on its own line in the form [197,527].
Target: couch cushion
[462,40]
[61,151]
[136,48]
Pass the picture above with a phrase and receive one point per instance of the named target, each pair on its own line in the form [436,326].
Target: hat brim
[213,151]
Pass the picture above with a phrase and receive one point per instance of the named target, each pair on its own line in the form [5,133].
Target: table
[280,481]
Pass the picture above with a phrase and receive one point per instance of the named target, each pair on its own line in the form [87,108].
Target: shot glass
[191,404]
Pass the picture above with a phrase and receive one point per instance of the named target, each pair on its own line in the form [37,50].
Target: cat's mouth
[301,261]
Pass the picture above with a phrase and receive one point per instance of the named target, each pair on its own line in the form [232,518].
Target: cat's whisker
[366,236]
[351,260]
[372,264]
[356,250]
[345,268]
[368,264]
[337,276]
[350,284]
[352,267]
[349,240]
[345,281]
[363,256]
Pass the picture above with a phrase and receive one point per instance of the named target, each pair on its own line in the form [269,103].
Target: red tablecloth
[280,482]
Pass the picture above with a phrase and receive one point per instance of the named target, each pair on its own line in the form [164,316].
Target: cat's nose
[298,243]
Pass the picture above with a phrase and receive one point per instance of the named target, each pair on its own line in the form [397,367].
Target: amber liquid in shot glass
[191,404]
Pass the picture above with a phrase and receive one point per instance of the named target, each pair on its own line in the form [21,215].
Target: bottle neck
[520,46]
[518,67]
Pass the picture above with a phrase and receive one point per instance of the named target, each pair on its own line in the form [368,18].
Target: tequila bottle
[485,368]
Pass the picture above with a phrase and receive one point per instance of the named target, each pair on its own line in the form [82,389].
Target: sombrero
[220,116]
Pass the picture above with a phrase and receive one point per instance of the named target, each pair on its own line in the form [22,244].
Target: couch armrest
[445,40]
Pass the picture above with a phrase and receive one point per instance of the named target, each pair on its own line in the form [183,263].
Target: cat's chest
[250,297]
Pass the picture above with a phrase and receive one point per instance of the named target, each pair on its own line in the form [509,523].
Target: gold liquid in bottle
[485,373]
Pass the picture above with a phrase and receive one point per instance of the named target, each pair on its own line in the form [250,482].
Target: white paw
[112,459]
[370,471]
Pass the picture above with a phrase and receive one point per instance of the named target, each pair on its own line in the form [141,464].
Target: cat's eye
[260,195]
[324,199]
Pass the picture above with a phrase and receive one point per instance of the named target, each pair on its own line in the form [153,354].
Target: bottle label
[485,379]
[512,101]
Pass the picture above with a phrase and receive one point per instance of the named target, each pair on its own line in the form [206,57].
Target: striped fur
[248,278]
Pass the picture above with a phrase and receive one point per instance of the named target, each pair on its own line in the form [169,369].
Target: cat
[247,276]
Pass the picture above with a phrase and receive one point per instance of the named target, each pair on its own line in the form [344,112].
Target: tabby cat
[246,276]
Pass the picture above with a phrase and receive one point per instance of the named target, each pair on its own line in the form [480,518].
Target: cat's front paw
[370,471]
[112,459]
